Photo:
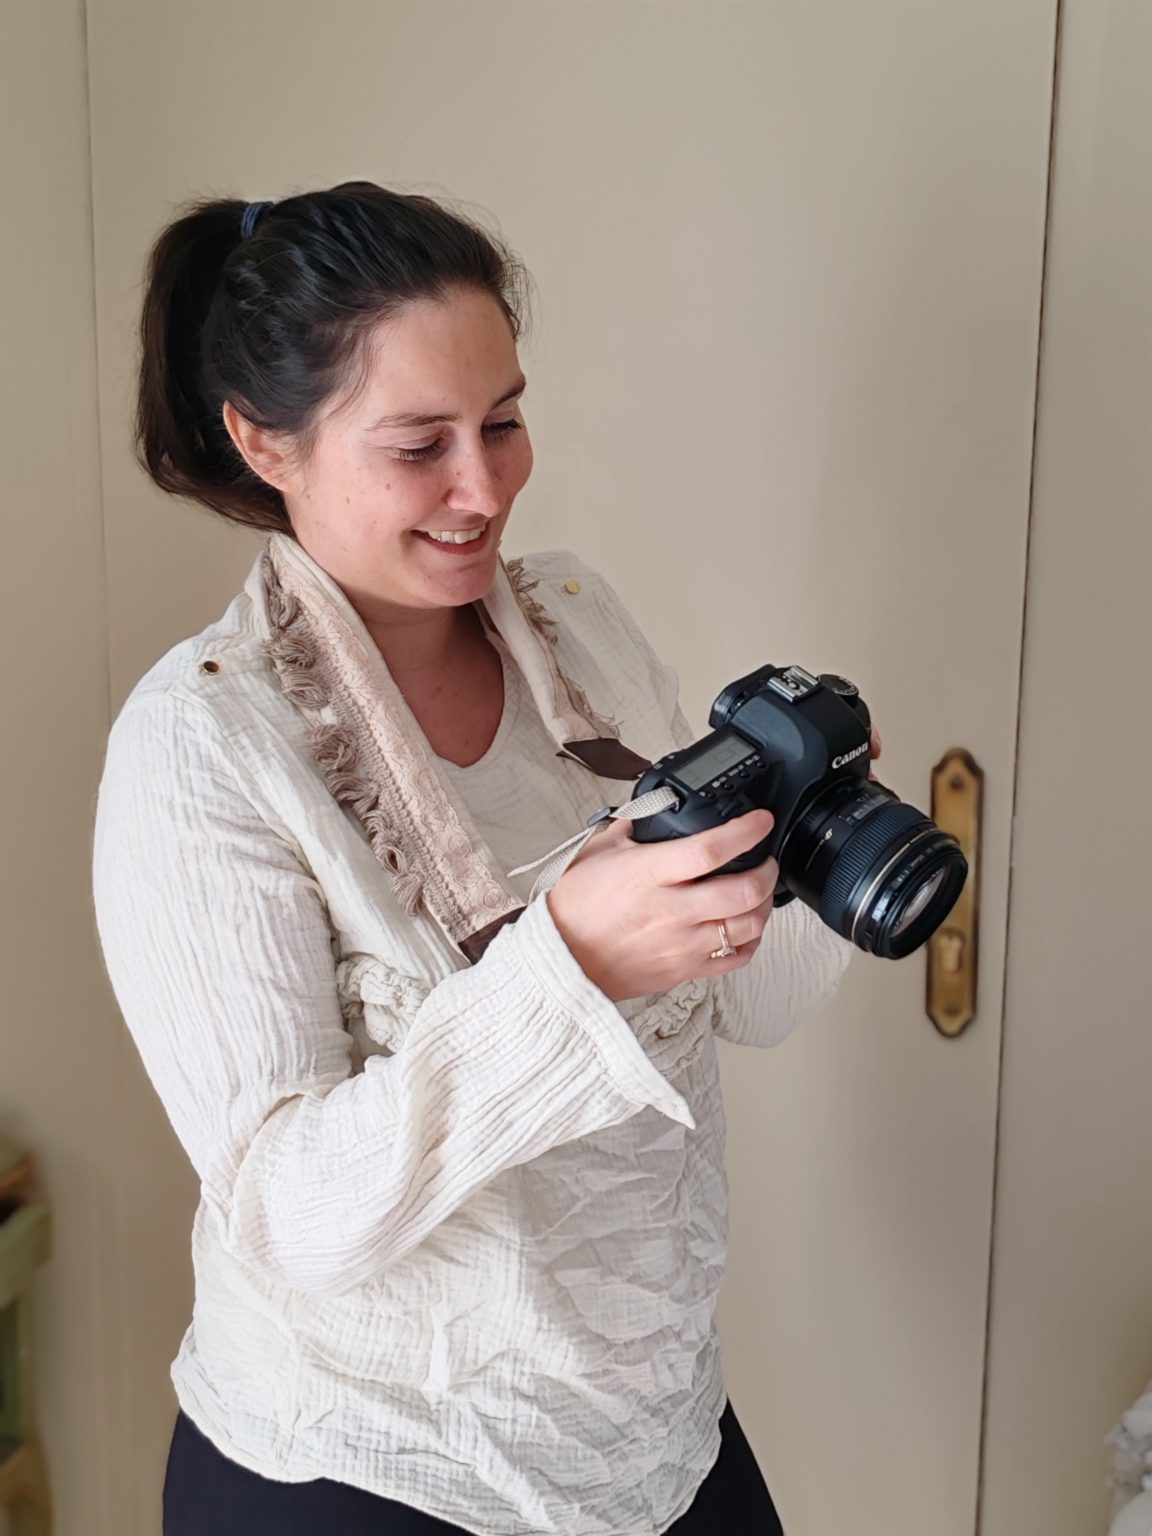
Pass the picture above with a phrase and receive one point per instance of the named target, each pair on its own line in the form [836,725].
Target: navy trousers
[205,1494]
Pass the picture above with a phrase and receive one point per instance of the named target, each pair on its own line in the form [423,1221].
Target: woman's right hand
[638,918]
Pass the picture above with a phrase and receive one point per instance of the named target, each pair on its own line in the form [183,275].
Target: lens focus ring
[876,841]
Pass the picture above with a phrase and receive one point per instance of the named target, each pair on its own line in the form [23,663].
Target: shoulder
[206,723]
[230,647]
[599,640]
[197,753]
[557,563]
[557,572]
[575,594]
[208,683]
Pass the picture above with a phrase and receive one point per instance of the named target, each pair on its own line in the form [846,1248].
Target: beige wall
[1071,1341]
[212,95]
[60,1044]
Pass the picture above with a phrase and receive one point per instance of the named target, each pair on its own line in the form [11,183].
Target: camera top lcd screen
[724,753]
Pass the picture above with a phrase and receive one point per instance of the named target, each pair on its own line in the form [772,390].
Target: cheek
[336,478]
[393,494]
[520,463]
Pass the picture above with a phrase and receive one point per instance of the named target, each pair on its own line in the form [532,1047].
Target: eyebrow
[411,419]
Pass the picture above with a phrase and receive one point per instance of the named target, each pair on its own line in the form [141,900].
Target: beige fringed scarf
[373,753]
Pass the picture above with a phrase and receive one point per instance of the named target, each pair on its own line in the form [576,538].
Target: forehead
[437,351]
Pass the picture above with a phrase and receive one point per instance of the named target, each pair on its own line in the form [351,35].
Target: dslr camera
[878,871]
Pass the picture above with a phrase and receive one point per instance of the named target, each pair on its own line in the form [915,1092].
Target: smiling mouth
[456,543]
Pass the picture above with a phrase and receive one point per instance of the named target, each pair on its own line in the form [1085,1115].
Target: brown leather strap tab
[476,943]
[609,759]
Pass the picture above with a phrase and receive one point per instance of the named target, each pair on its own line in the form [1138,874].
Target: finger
[750,926]
[875,745]
[736,961]
[690,858]
[741,931]
[729,896]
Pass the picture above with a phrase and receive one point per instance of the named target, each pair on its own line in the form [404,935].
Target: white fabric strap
[556,862]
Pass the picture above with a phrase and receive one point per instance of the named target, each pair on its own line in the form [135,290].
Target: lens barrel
[878,871]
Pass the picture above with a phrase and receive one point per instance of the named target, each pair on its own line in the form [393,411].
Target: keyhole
[950,948]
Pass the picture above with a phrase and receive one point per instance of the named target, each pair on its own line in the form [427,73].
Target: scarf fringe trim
[293,654]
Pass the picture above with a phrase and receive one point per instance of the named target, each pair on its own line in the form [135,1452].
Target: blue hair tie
[250,218]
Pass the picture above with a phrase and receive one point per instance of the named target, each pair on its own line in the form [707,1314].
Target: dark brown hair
[274,320]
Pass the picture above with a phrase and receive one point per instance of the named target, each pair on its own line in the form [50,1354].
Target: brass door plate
[953,950]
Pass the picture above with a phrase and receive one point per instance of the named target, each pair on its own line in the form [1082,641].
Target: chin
[468,587]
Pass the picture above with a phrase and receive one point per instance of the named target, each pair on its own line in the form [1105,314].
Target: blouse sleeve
[796,970]
[219,950]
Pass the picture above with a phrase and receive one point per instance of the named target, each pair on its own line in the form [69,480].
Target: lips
[471,546]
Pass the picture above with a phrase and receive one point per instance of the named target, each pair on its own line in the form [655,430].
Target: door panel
[1071,1316]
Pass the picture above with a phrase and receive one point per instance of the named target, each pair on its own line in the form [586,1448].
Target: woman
[462,1217]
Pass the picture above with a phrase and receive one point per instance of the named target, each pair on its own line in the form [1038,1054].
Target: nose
[475,486]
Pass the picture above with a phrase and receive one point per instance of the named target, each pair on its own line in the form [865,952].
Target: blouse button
[572,586]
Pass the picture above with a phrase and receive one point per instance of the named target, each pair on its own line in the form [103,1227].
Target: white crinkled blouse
[463,1219]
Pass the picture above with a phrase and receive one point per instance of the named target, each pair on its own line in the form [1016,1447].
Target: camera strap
[556,862]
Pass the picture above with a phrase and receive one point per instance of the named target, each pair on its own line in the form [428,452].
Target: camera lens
[878,871]
[919,903]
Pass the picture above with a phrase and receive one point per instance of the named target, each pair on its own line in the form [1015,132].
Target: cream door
[1071,1336]
[782,384]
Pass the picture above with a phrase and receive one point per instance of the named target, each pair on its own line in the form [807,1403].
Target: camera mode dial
[840,685]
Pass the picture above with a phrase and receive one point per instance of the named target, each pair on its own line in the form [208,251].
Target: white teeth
[455,538]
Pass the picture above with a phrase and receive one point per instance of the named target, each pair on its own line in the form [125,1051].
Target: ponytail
[180,434]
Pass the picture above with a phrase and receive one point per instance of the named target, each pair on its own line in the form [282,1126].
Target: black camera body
[879,871]
[780,734]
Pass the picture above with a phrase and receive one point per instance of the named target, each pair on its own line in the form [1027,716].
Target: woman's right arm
[219,949]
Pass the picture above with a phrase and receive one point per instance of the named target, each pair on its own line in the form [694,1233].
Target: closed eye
[432,451]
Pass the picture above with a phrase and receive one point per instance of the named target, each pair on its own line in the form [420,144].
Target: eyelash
[433,450]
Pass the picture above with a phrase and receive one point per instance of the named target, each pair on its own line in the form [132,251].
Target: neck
[416,644]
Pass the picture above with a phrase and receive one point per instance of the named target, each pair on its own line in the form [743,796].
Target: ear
[267,454]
